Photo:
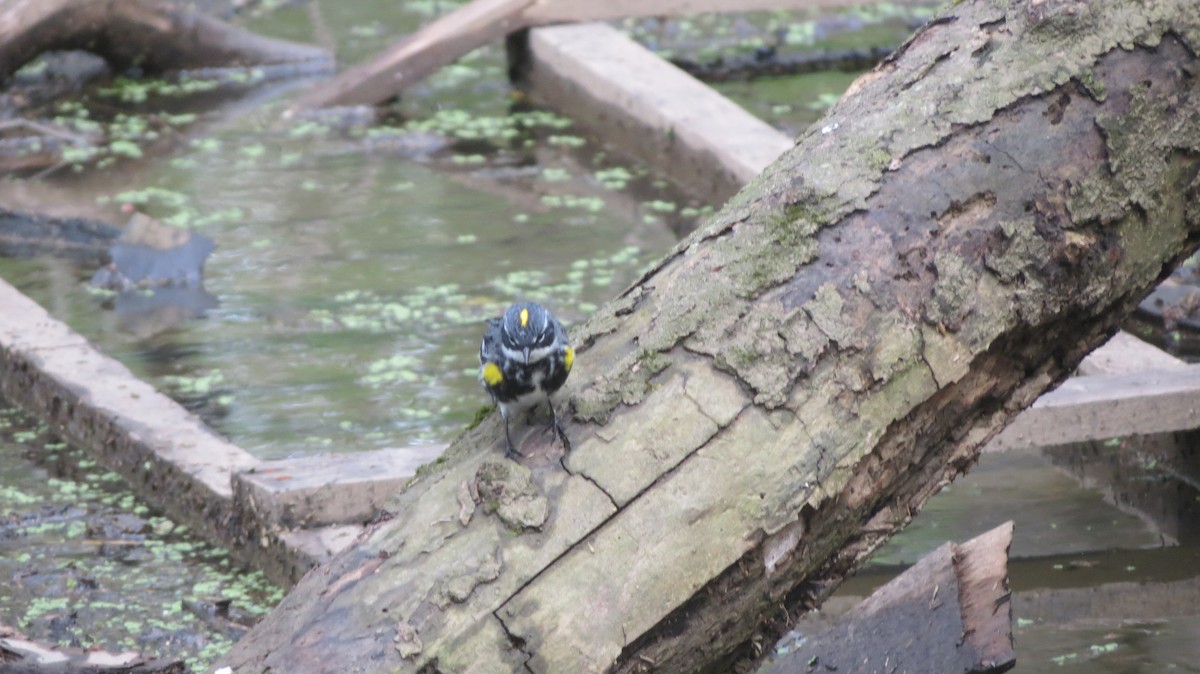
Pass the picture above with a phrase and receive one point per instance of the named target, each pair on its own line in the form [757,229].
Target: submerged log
[153,35]
[21,655]
[82,240]
[780,393]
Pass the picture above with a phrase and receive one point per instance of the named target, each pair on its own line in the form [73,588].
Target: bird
[525,357]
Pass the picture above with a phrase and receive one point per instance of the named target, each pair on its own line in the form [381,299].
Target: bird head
[527,327]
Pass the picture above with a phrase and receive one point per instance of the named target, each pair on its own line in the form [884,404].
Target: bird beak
[527,355]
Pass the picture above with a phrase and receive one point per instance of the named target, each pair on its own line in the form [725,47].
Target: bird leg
[509,451]
[558,429]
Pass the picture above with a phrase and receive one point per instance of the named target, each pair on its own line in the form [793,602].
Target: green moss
[480,414]
[879,159]
[595,404]
[654,362]
[1094,87]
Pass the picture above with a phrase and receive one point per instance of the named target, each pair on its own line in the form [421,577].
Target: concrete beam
[318,491]
[175,462]
[703,141]
[1125,353]
[1107,406]
[167,455]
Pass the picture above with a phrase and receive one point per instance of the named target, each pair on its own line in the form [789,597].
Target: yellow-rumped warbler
[525,356]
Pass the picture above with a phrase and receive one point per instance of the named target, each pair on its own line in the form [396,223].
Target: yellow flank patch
[492,374]
[524,318]
[569,358]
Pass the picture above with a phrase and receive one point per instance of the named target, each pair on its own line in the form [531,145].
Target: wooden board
[949,612]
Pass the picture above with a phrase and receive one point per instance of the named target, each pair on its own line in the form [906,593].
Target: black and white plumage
[524,358]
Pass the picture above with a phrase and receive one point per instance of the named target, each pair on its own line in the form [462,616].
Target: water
[351,285]
[82,563]
[353,271]
[356,263]
[1104,565]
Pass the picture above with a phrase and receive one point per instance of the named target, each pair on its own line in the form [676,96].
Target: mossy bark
[782,391]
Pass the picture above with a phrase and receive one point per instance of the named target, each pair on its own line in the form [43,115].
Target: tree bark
[781,392]
[151,34]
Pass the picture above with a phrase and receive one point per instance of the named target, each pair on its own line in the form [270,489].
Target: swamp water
[354,268]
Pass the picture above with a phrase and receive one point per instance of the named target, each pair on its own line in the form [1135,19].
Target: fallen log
[781,392]
[153,35]
[948,613]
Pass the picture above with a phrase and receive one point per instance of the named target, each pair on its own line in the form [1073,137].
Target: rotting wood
[483,21]
[602,78]
[595,74]
[795,379]
[948,613]
[153,35]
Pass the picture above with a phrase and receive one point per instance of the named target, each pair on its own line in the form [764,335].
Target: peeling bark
[784,390]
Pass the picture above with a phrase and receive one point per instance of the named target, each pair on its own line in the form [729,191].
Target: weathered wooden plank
[1159,583]
[701,139]
[946,613]
[483,21]
[1107,406]
[175,462]
[417,56]
[333,489]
